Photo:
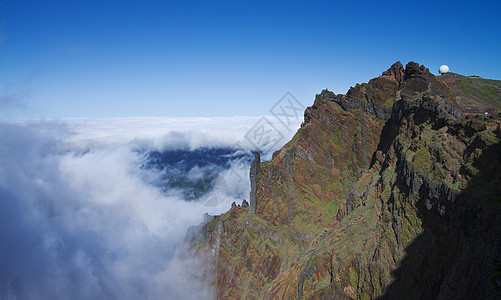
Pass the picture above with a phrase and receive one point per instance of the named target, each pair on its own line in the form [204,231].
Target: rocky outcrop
[245,204]
[254,170]
[390,191]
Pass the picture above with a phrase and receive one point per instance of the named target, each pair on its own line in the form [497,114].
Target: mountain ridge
[390,190]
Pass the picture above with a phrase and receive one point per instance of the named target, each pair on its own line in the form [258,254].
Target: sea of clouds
[86,214]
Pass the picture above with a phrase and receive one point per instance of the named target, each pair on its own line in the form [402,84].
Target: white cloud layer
[80,219]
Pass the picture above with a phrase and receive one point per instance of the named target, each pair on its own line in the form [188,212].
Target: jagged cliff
[391,190]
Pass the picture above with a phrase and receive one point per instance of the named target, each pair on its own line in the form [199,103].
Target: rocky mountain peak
[388,191]
[396,72]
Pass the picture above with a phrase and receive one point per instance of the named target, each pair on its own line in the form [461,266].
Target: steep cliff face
[392,189]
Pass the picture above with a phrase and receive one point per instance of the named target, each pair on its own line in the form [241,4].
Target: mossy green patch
[422,160]
[389,102]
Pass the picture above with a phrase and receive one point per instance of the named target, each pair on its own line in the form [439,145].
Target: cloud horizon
[81,217]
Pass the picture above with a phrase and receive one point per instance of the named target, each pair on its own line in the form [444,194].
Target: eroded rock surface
[390,191]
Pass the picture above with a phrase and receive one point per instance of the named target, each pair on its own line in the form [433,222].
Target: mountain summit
[392,190]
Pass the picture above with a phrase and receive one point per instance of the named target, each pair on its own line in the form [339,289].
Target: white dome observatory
[443,69]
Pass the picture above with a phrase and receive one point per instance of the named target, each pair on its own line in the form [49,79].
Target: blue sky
[62,59]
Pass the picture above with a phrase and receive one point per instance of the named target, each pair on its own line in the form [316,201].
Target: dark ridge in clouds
[187,160]
[194,173]
[96,224]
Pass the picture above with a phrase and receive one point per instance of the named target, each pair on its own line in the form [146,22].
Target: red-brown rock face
[383,192]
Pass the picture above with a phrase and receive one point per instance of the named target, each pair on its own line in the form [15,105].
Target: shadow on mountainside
[458,254]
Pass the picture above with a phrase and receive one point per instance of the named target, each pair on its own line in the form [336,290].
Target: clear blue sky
[223,58]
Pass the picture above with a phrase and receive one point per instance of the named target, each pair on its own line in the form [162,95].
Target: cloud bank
[82,218]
